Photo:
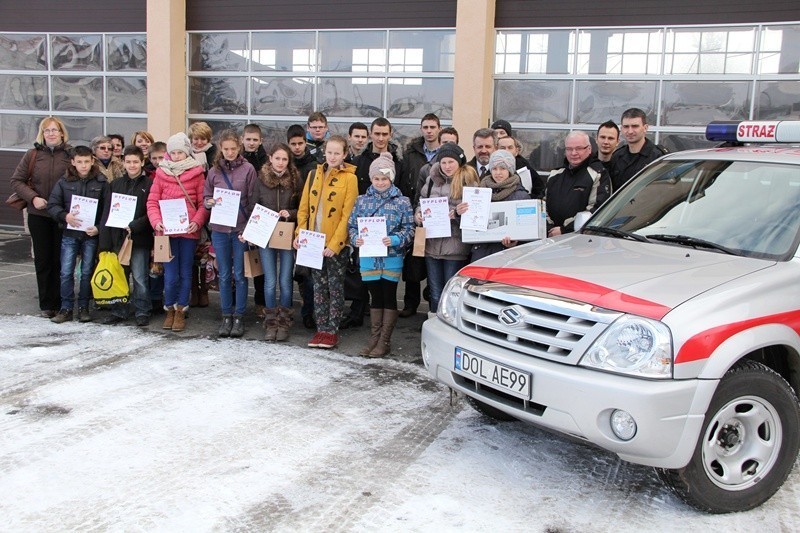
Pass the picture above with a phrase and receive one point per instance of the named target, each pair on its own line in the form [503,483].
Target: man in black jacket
[582,185]
[639,151]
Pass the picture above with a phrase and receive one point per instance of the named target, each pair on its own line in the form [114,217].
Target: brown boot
[202,290]
[193,295]
[271,324]
[180,318]
[383,347]
[285,323]
[376,322]
[170,318]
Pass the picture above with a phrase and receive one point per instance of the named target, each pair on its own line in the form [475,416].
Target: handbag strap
[178,179]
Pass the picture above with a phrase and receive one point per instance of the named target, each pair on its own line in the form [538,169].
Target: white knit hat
[181,142]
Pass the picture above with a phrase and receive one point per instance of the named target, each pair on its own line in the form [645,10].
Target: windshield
[747,208]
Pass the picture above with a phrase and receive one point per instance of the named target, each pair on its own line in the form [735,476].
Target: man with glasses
[316,135]
[582,185]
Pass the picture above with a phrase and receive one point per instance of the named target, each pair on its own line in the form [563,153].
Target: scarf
[502,190]
[200,155]
[176,168]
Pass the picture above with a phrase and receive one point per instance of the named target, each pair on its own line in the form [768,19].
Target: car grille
[531,322]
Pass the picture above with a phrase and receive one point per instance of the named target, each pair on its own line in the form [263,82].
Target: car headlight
[449,301]
[635,346]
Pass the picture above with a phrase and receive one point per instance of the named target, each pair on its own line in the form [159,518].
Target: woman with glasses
[33,180]
[110,166]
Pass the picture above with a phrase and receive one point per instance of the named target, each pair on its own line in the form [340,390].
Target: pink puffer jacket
[165,187]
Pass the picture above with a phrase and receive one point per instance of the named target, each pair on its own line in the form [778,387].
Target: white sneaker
[431,314]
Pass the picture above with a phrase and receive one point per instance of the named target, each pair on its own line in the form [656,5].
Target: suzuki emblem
[511,316]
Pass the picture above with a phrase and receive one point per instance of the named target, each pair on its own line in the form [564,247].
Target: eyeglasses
[317,127]
[578,149]
[108,148]
[52,130]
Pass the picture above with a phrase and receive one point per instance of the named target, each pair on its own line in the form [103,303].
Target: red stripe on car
[567,287]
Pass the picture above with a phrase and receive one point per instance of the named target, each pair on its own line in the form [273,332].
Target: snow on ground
[119,429]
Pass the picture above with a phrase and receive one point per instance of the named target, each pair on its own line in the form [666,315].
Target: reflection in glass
[344,97]
[543,148]
[18,131]
[23,92]
[598,101]
[779,50]
[125,126]
[127,95]
[532,101]
[127,52]
[677,142]
[218,126]
[284,51]
[83,129]
[22,52]
[698,103]
[281,96]
[422,51]
[415,97]
[352,51]
[619,51]
[535,52]
[77,93]
[778,100]
[710,50]
[76,52]
[218,51]
[218,95]
[273,131]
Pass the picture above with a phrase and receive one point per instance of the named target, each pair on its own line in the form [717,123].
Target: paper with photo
[372,230]
[226,207]
[174,216]
[260,226]
[477,214]
[84,210]
[123,209]
[311,245]
[435,217]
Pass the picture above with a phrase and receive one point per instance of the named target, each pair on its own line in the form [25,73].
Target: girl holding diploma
[444,256]
[382,274]
[178,176]
[278,188]
[231,172]
[328,199]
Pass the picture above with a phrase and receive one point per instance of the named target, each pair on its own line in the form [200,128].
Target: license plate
[505,378]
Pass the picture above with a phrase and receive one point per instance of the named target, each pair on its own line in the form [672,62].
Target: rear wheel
[748,445]
[488,410]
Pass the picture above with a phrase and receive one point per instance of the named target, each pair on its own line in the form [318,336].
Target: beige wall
[166,67]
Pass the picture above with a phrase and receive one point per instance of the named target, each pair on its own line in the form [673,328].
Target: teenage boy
[133,183]
[303,159]
[255,154]
[83,178]
[154,158]
[357,137]
[316,135]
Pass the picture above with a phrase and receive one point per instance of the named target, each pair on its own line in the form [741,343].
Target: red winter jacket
[165,187]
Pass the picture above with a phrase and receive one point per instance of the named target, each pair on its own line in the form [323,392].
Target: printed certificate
[312,244]
[174,216]
[226,207]
[123,209]
[85,210]
[260,226]
[435,217]
[372,230]
[477,214]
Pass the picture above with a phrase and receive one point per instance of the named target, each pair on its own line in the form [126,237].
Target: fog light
[623,425]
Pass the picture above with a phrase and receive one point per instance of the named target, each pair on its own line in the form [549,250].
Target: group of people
[317,181]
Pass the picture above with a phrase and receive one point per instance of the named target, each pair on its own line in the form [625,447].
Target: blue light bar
[754,131]
[722,131]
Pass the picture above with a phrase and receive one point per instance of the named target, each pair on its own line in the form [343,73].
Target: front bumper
[578,401]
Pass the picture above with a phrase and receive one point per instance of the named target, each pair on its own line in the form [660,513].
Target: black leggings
[383,293]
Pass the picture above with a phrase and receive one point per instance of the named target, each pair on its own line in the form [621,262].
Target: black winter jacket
[624,165]
[363,161]
[141,230]
[572,190]
[95,185]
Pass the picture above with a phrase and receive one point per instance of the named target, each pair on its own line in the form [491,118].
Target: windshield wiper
[616,233]
[694,242]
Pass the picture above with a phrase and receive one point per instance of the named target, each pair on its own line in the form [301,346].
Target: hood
[627,276]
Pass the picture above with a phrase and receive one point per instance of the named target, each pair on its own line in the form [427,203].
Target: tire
[488,410]
[748,445]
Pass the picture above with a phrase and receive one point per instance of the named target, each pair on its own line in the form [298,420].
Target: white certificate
[312,244]
[477,214]
[84,210]
[435,216]
[123,209]
[260,226]
[226,207]
[174,216]
[372,230]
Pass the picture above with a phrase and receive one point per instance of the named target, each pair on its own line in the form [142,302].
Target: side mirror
[581,219]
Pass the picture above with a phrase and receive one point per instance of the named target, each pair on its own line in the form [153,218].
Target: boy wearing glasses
[582,185]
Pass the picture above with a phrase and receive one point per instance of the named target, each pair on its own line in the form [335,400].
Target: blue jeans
[230,259]
[139,269]
[71,249]
[178,272]
[269,262]
[439,272]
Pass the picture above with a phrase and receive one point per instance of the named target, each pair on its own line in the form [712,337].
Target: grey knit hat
[181,142]
[502,158]
[384,165]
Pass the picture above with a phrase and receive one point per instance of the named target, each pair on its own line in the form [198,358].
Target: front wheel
[748,445]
